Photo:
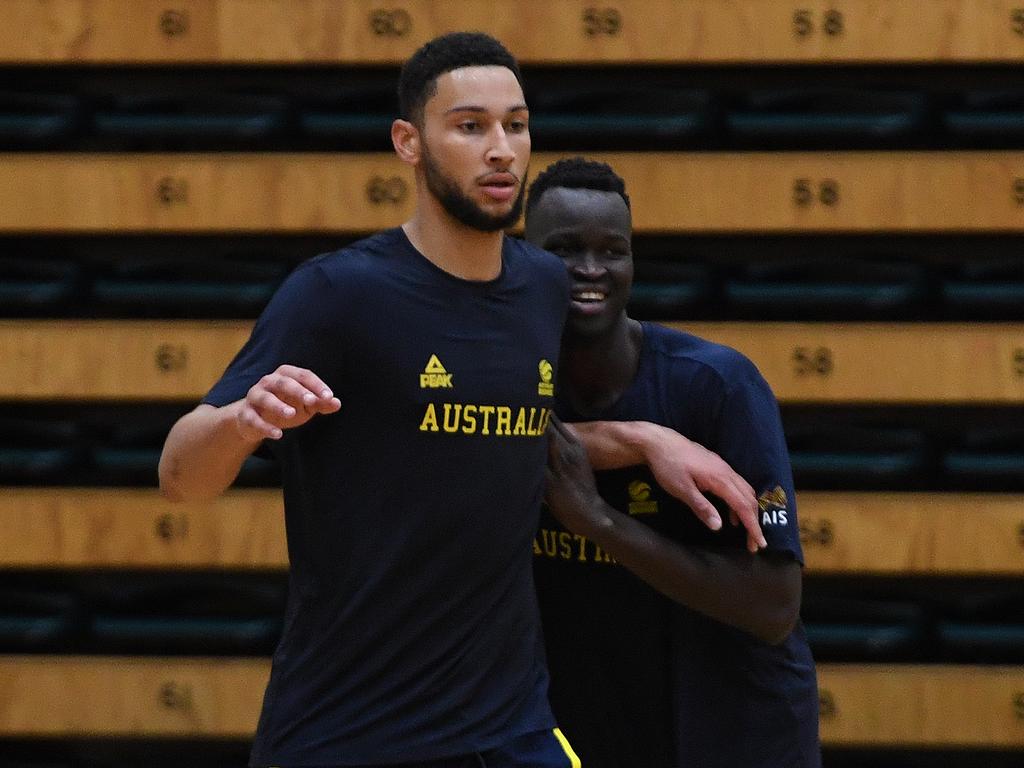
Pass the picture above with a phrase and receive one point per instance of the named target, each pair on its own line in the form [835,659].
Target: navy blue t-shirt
[412,630]
[637,679]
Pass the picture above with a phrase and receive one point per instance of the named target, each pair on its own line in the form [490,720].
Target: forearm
[685,469]
[203,454]
[615,444]
[752,592]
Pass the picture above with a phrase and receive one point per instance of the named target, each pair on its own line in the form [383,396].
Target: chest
[453,348]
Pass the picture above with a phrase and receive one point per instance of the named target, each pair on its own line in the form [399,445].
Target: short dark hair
[577,173]
[417,81]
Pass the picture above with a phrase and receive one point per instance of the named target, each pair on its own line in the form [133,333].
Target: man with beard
[405,383]
[669,645]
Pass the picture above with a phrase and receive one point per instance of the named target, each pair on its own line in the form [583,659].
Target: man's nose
[500,152]
[588,265]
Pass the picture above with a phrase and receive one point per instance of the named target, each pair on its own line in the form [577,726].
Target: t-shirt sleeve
[749,436]
[291,330]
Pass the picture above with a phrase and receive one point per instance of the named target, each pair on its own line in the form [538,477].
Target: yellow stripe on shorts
[573,760]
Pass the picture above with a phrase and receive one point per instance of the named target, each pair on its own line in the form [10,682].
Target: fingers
[254,427]
[753,545]
[739,496]
[299,389]
[743,507]
[309,380]
[705,511]
[272,405]
[288,397]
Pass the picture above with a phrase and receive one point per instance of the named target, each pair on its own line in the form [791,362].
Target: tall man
[405,383]
[669,645]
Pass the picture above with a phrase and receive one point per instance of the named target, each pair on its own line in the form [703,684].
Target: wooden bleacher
[861,705]
[110,528]
[560,32]
[803,362]
[672,192]
[868,533]
[124,696]
[912,534]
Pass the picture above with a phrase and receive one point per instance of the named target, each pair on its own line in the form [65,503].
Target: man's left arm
[682,467]
[758,593]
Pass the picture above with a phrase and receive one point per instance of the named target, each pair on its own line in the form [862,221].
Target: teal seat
[985,289]
[986,118]
[986,625]
[33,286]
[40,451]
[31,120]
[860,624]
[834,117]
[987,458]
[1001,642]
[668,290]
[187,613]
[186,287]
[126,451]
[37,618]
[72,752]
[827,288]
[191,119]
[620,116]
[851,453]
[349,118]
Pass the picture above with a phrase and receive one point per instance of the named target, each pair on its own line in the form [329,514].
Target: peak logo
[545,387]
[434,375]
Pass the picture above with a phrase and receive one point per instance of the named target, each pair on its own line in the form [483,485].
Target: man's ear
[405,137]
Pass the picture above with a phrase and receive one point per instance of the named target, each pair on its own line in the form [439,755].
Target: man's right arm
[203,453]
[206,448]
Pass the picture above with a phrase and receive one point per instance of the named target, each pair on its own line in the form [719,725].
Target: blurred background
[834,188]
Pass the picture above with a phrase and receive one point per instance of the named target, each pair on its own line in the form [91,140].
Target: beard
[461,208]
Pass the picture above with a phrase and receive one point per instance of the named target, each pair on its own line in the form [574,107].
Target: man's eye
[469,126]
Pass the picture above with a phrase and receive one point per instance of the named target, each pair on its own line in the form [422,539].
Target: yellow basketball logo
[545,387]
[640,498]
[639,490]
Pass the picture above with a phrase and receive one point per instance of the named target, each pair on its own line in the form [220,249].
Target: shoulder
[534,259]
[335,280]
[364,257]
[537,275]
[723,365]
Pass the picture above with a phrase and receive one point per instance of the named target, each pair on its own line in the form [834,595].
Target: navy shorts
[539,749]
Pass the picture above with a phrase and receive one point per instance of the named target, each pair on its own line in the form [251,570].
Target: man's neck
[595,372]
[459,250]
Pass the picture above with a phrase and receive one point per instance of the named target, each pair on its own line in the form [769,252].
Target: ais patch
[772,506]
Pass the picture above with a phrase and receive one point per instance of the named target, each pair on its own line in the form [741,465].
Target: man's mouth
[588,297]
[499,186]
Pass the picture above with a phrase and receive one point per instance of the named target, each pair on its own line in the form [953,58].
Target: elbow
[178,485]
[170,481]
[174,482]
[783,612]
[171,493]
[780,627]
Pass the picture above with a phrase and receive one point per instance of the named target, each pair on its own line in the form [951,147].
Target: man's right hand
[286,398]
[687,470]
